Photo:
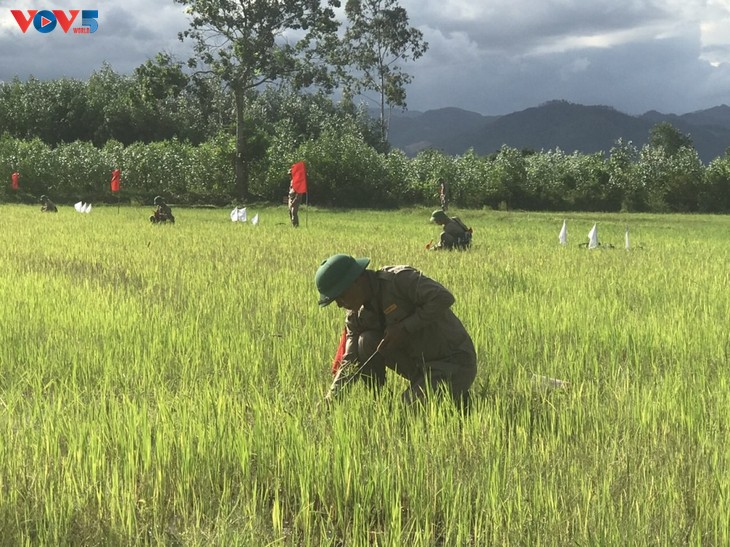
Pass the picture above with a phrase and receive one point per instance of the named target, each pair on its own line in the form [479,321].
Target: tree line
[347,169]
[226,129]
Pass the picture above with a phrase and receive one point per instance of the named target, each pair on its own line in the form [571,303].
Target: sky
[493,57]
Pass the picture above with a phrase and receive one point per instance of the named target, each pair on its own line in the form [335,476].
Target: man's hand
[395,337]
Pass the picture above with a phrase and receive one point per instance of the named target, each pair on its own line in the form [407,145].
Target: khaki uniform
[437,350]
[443,195]
[294,201]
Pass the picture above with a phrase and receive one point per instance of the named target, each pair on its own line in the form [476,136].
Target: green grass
[162,384]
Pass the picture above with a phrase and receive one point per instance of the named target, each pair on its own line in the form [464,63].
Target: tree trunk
[241,167]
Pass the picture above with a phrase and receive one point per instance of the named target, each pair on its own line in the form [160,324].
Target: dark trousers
[453,374]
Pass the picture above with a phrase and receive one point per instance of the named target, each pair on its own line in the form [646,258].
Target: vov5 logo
[46,21]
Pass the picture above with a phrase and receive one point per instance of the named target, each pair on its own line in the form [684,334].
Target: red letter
[64,21]
[23,23]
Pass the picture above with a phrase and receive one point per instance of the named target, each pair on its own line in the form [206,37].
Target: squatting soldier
[163,213]
[454,233]
[400,319]
[48,206]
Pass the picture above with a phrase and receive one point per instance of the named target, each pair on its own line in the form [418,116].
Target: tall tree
[667,137]
[249,43]
[377,40]
[161,78]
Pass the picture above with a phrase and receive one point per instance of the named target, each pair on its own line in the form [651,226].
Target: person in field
[443,194]
[454,233]
[48,206]
[295,200]
[163,213]
[397,318]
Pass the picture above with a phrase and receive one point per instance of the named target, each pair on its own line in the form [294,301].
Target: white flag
[87,208]
[238,215]
[593,237]
[563,237]
[255,219]
[628,246]
[79,207]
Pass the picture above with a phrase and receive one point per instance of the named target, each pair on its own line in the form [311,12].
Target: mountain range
[555,124]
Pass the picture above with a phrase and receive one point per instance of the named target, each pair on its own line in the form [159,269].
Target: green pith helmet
[336,274]
[158,200]
[439,216]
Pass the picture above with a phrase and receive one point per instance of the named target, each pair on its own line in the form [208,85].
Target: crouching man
[163,213]
[398,319]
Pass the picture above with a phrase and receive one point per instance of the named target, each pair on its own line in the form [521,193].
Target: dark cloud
[517,26]
[129,33]
[491,57]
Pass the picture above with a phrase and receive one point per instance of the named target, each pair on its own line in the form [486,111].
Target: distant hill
[556,124]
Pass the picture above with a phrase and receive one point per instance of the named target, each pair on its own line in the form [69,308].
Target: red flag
[299,178]
[337,361]
[116,180]
[15,177]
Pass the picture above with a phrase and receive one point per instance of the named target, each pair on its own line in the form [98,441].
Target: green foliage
[668,138]
[475,183]
[344,172]
[340,143]
[714,197]
[79,171]
[671,182]
[153,104]
[241,43]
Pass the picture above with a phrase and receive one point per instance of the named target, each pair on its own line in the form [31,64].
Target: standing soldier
[294,200]
[297,189]
[400,319]
[443,194]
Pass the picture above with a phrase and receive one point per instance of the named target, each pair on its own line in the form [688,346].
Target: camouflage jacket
[452,235]
[401,294]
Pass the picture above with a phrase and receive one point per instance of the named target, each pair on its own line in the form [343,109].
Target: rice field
[162,385]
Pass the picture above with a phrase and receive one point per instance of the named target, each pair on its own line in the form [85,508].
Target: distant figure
[163,213]
[48,205]
[443,194]
[295,199]
[15,180]
[454,233]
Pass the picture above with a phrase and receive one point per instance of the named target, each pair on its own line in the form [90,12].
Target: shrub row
[344,171]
